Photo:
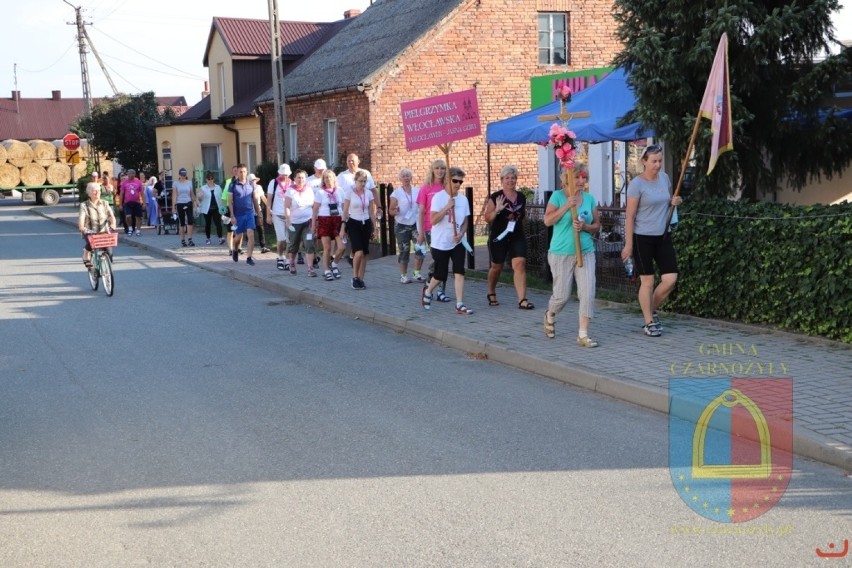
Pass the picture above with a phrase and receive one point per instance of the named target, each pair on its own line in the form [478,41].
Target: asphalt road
[191,420]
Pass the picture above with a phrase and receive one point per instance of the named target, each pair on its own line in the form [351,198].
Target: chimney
[56,95]
[16,95]
[351,13]
[206,91]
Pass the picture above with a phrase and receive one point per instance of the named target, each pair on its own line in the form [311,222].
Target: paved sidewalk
[627,365]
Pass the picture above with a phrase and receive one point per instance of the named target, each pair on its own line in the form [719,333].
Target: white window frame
[250,159]
[223,92]
[329,136]
[550,33]
[293,141]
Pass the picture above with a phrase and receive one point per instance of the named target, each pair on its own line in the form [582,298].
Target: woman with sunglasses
[647,236]
[434,183]
[507,240]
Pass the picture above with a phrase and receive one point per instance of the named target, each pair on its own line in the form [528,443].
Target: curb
[805,444]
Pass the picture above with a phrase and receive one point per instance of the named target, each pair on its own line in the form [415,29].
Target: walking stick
[568,179]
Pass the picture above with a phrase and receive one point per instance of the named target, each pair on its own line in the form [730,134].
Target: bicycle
[101,268]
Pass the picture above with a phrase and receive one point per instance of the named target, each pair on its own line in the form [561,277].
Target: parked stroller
[166,222]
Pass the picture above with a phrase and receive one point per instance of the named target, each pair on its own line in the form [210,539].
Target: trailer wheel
[50,197]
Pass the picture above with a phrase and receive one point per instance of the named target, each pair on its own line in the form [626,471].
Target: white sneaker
[404,279]
[138,233]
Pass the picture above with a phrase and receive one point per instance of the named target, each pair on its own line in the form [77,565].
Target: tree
[122,127]
[784,128]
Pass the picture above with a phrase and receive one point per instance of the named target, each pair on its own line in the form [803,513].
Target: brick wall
[488,44]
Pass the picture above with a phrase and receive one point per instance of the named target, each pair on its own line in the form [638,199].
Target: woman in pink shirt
[434,183]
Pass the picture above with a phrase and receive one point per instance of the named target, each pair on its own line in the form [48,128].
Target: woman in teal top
[562,255]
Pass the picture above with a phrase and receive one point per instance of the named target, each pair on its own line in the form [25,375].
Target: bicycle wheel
[107,275]
[93,272]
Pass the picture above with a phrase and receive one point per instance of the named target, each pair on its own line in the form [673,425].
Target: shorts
[133,209]
[360,233]
[184,211]
[508,247]
[442,262]
[652,249]
[329,226]
[245,223]
[405,234]
[300,234]
[280,226]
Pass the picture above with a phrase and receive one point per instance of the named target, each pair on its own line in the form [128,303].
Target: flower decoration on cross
[564,143]
[563,93]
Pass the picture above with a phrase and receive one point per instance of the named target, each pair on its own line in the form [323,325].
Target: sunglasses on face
[458,181]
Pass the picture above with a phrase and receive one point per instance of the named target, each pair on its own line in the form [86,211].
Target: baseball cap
[284,170]
[182,171]
[319,164]
[252,177]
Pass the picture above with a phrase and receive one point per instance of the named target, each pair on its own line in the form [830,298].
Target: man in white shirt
[276,213]
[315,181]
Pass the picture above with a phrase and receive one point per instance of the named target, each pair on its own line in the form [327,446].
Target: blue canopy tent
[607,102]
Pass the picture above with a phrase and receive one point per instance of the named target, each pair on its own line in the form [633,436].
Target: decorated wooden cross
[567,173]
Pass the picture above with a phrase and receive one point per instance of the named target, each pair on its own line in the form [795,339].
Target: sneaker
[192,244]
[128,233]
[250,261]
[300,259]
[221,240]
[404,279]
[354,283]
[361,285]
[312,273]
[651,330]
[316,262]
[138,233]
[264,250]
[279,264]
[207,242]
[183,243]
[586,342]
[419,277]
[235,255]
[655,319]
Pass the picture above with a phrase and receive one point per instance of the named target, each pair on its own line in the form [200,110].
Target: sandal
[335,272]
[492,300]
[279,264]
[87,263]
[525,305]
[426,299]
[328,276]
[443,297]
[463,310]
[549,326]
[586,342]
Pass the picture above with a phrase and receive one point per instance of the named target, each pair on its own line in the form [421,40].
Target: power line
[150,68]
[186,74]
[73,43]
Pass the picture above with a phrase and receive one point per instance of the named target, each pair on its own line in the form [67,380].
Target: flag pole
[448,185]
[683,165]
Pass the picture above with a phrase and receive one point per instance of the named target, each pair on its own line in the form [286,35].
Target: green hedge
[783,265]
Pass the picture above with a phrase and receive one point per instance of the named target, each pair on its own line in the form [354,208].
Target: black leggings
[213,216]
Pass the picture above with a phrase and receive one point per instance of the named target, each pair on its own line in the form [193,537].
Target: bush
[767,263]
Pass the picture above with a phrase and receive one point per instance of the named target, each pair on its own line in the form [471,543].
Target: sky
[146,45]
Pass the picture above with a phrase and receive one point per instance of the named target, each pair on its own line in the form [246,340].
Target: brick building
[345,97]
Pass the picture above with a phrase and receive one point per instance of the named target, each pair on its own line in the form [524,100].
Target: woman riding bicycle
[95,217]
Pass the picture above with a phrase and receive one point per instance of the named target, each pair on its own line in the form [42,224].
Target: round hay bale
[10,176]
[18,153]
[60,150]
[33,174]
[44,153]
[79,170]
[58,173]
[2,154]
[84,148]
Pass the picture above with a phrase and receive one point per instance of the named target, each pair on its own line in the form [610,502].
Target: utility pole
[100,62]
[84,66]
[277,83]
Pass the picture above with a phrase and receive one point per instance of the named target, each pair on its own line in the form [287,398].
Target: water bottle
[628,267]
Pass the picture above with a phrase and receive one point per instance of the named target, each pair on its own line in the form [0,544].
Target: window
[211,159]
[330,141]
[293,143]
[250,159]
[552,38]
[167,165]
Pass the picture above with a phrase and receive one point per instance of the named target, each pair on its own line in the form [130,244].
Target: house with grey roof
[345,96]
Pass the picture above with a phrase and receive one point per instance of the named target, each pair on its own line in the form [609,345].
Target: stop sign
[71,142]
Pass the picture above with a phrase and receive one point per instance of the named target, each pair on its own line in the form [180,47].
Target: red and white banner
[440,120]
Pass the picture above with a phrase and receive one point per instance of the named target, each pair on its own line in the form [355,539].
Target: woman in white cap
[276,213]
[183,197]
